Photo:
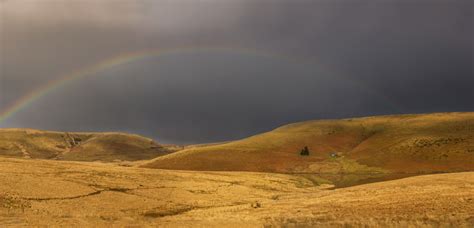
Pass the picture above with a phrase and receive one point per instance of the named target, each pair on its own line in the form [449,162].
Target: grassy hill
[27,143]
[442,142]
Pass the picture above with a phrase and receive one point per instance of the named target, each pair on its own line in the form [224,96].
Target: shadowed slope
[27,143]
[404,143]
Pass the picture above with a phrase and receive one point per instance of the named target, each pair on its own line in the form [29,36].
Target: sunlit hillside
[442,142]
[41,193]
[27,143]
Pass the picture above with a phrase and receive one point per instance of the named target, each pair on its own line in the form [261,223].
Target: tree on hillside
[304,151]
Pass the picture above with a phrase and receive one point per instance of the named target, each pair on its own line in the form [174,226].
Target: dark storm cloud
[356,58]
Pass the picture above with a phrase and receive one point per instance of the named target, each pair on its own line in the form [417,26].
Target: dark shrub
[304,151]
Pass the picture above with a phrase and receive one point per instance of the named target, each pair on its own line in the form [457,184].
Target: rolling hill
[425,143]
[28,143]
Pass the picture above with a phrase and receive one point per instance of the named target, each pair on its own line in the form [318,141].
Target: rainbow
[117,60]
[124,58]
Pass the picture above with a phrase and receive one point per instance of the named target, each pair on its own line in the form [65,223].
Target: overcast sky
[248,65]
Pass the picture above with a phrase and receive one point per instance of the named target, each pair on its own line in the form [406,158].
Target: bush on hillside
[304,151]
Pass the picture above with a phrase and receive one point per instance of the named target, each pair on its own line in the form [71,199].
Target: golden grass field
[52,193]
[350,179]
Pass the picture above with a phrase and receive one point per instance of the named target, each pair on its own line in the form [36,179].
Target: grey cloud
[350,58]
